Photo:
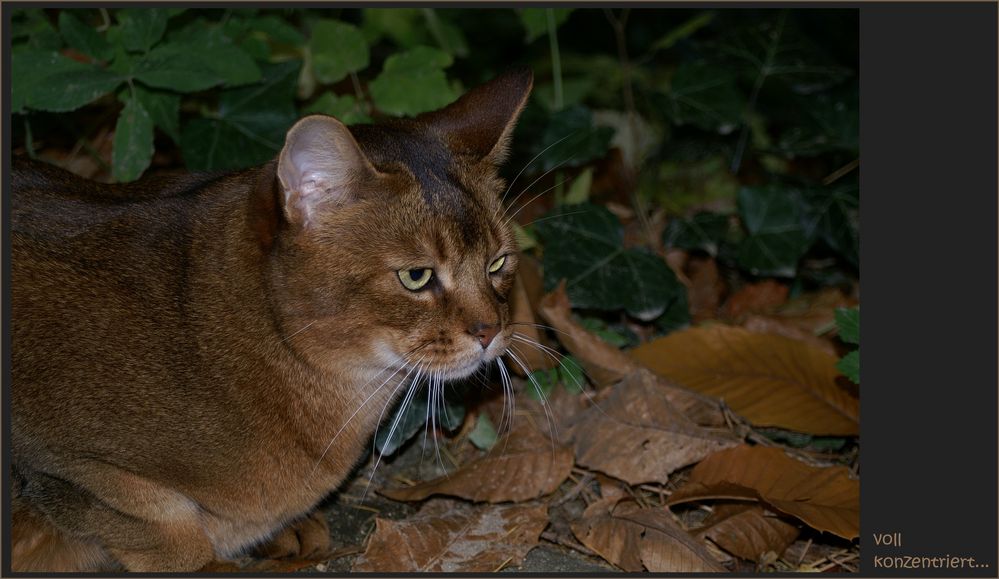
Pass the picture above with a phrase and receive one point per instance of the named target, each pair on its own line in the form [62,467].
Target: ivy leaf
[163,108]
[133,142]
[250,125]
[83,37]
[338,49]
[141,28]
[706,96]
[778,49]
[826,122]
[54,83]
[849,365]
[535,21]
[776,240]
[413,82]
[832,214]
[848,324]
[448,413]
[343,107]
[584,245]
[567,138]
[704,231]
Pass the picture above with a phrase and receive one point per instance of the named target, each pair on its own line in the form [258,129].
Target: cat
[198,360]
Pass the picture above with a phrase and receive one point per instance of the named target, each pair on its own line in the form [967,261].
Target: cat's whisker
[560,360]
[552,427]
[528,164]
[513,202]
[531,200]
[410,391]
[559,216]
[306,327]
[541,326]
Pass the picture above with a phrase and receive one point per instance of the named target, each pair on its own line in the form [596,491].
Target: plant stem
[557,80]
[361,101]
[29,139]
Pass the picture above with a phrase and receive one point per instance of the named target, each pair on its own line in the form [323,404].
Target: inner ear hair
[319,167]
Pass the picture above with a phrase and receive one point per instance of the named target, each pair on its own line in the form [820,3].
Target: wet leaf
[133,142]
[338,49]
[636,435]
[448,536]
[747,531]
[584,245]
[520,467]
[826,499]
[637,540]
[771,380]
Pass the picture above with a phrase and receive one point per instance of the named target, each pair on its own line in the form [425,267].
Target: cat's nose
[484,332]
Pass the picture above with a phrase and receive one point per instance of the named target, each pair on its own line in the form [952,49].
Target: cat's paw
[307,538]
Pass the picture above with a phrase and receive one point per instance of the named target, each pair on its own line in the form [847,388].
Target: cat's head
[395,247]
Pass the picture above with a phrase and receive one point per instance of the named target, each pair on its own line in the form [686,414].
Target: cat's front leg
[305,538]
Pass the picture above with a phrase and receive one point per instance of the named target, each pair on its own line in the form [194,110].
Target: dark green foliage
[848,324]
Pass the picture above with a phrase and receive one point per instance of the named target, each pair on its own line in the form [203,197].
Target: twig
[838,173]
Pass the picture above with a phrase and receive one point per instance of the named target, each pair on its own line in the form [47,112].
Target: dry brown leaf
[521,466]
[771,380]
[813,312]
[780,326]
[747,531]
[635,434]
[603,363]
[755,298]
[524,322]
[826,499]
[636,540]
[676,259]
[450,536]
[706,288]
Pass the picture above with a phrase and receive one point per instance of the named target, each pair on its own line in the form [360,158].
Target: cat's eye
[415,279]
[496,265]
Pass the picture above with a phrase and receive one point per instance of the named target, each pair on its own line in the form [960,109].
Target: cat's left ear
[480,123]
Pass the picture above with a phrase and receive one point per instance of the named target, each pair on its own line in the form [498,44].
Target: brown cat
[185,349]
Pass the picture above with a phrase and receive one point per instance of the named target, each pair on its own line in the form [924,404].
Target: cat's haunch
[199,360]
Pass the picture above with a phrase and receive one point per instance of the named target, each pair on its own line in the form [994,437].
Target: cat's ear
[318,167]
[480,123]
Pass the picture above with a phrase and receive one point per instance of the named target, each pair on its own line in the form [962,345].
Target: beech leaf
[826,499]
[747,531]
[448,536]
[769,379]
[518,468]
[637,540]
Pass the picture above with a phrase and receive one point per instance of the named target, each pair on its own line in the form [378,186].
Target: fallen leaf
[636,435]
[450,536]
[521,466]
[524,322]
[604,364]
[771,380]
[747,531]
[637,540]
[706,288]
[826,499]
[761,297]
[814,312]
[781,327]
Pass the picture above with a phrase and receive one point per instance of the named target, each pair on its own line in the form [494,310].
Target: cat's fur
[184,349]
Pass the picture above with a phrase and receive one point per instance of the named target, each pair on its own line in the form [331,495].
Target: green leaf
[778,49]
[683,31]
[704,231]
[570,374]
[343,107]
[574,91]
[579,189]
[776,240]
[61,84]
[141,28]
[82,37]
[133,142]
[32,31]
[484,435]
[413,82]
[849,365]
[338,49]
[176,68]
[216,52]
[277,30]
[250,125]
[540,384]
[848,324]
[535,21]
[824,122]
[404,26]
[706,96]
[584,245]
[581,142]
[832,214]
[163,108]
[605,332]
[447,413]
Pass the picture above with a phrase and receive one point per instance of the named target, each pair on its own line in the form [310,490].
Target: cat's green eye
[415,279]
[496,265]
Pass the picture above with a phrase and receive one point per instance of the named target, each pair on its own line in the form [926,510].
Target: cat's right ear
[319,167]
